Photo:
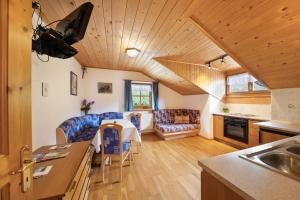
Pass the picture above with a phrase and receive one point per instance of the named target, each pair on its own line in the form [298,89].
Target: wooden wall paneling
[267,43]
[170,25]
[100,38]
[172,80]
[131,11]
[92,41]
[157,28]
[107,11]
[118,19]
[153,13]
[210,80]
[221,45]
[143,9]
[161,22]
[3,77]
[159,42]
[235,71]
[252,98]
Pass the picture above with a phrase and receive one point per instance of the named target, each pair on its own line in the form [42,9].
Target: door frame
[3,93]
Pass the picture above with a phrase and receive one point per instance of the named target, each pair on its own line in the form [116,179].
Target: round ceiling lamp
[132,52]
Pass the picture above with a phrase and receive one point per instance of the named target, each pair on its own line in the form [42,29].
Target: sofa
[166,128]
[82,128]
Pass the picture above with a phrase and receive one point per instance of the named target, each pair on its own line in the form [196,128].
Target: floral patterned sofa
[82,128]
[165,127]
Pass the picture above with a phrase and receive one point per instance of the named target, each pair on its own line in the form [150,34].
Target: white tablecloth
[129,132]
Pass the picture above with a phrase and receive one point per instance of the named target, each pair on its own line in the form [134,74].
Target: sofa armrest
[60,136]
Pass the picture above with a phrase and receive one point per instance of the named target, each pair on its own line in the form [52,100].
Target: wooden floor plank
[162,170]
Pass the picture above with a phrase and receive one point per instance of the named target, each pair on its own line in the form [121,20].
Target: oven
[236,128]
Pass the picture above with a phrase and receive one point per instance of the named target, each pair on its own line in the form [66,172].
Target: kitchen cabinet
[218,126]
[212,188]
[253,133]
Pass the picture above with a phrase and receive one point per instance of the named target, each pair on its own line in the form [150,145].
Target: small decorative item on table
[226,110]
[86,106]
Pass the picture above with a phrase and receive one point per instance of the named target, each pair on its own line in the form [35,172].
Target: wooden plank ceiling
[263,36]
[159,28]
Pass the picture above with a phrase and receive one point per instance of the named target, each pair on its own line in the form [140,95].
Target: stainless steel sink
[294,149]
[284,159]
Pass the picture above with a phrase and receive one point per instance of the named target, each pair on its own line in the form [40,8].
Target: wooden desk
[69,176]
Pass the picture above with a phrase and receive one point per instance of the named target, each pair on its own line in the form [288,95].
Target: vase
[86,112]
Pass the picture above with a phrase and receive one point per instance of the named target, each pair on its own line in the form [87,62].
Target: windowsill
[253,93]
[257,97]
[143,109]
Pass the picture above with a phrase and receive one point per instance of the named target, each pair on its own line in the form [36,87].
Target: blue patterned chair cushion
[172,128]
[136,122]
[76,128]
[111,142]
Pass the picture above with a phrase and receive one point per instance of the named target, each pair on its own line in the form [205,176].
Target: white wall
[207,105]
[49,112]
[108,102]
[286,104]
[112,102]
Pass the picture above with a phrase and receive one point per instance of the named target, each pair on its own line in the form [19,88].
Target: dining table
[129,132]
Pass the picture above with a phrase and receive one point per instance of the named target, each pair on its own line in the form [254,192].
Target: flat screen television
[71,29]
[73,26]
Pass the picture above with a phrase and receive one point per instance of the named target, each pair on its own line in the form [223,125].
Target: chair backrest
[111,137]
[135,118]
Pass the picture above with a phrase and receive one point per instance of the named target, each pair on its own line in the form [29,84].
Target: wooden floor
[162,170]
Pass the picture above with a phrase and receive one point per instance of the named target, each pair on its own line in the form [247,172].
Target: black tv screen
[73,26]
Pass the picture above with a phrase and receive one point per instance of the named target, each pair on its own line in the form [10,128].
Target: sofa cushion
[167,116]
[75,128]
[91,120]
[172,128]
[110,115]
[85,134]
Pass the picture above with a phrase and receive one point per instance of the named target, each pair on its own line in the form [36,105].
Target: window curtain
[128,96]
[155,95]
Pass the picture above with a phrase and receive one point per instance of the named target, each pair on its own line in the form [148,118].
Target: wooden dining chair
[135,119]
[112,145]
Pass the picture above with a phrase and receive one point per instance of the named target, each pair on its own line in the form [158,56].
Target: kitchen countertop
[244,116]
[249,180]
[280,126]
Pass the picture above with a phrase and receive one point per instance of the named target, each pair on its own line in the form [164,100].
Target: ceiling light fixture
[132,52]
[222,60]
[209,65]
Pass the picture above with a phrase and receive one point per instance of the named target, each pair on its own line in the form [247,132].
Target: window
[142,95]
[244,83]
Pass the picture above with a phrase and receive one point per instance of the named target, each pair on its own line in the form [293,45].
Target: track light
[222,60]
[209,65]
